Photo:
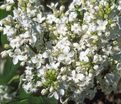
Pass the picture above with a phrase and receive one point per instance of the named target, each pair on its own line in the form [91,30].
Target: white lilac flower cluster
[68,53]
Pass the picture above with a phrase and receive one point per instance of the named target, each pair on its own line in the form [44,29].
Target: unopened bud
[64,77]
[8,8]
[6,46]
[22,63]
[51,89]
[62,8]
[44,91]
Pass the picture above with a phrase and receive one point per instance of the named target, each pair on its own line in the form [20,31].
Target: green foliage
[24,98]
[3,38]
[9,71]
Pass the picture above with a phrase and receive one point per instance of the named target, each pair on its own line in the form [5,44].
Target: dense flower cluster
[68,53]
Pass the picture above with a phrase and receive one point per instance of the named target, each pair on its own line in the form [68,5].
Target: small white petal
[56,95]
[21,58]
[34,60]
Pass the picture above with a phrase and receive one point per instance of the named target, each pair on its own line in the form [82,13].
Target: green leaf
[9,71]
[3,38]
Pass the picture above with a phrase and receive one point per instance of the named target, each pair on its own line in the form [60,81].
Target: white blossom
[76,28]
[83,56]
[65,49]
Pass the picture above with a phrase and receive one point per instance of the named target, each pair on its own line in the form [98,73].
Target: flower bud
[44,91]
[22,63]
[62,8]
[6,46]
[51,89]
[64,77]
[8,8]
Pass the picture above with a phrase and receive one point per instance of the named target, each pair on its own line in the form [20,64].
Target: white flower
[45,55]
[66,58]
[84,27]
[66,50]
[38,60]
[51,18]
[72,16]
[38,83]
[53,6]
[92,27]
[27,86]
[61,57]
[76,28]
[16,14]
[87,17]
[9,31]
[77,77]
[62,29]
[53,65]
[24,21]
[102,25]
[63,43]
[18,58]
[84,56]
[41,72]
[28,72]
[16,42]
[40,19]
